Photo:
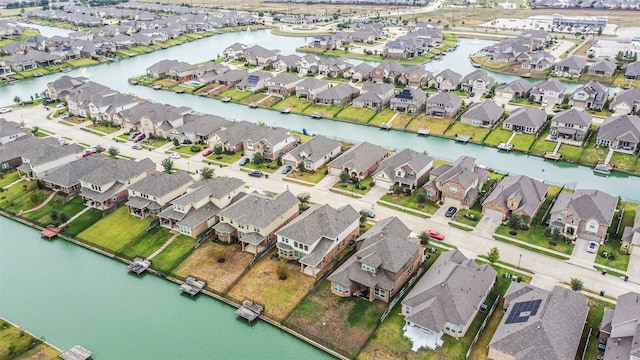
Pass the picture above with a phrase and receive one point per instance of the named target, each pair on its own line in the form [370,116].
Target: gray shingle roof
[311,83]
[120,170]
[158,184]
[527,117]
[319,221]
[203,124]
[8,128]
[628,97]
[552,333]
[463,171]
[316,148]
[445,98]
[360,157]
[605,66]
[616,127]
[572,62]
[46,152]
[528,192]
[406,158]
[587,204]
[552,84]
[519,85]
[486,110]
[339,92]
[260,210]
[451,291]
[574,117]
[217,188]
[70,174]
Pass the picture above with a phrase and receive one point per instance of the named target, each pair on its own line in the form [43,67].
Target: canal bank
[73,296]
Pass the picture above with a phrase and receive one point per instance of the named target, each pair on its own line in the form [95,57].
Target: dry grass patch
[437,126]
[261,284]
[203,264]
[401,121]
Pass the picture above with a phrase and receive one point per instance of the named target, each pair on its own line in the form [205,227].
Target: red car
[88,152]
[435,235]
[207,152]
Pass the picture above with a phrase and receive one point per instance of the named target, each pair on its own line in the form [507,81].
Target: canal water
[71,295]
[115,76]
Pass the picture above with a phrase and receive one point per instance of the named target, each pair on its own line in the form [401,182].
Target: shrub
[553,243]
[282,270]
[195,149]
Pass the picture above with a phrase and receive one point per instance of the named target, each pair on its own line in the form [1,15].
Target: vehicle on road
[133,135]
[207,152]
[88,152]
[4,110]
[286,169]
[451,211]
[256,173]
[368,213]
[244,161]
[137,147]
[592,247]
[435,234]
[174,155]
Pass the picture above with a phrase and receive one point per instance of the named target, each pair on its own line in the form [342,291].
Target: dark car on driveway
[244,161]
[286,169]
[451,211]
[256,173]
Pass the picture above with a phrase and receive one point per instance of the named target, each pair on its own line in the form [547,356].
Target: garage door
[452,202]
[635,251]
[495,214]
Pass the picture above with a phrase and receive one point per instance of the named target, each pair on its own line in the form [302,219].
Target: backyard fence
[400,293]
[484,323]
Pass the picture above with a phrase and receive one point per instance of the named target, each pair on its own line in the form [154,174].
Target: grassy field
[352,113]
[82,222]
[624,162]
[147,243]
[203,264]
[225,158]
[310,176]
[293,103]
[115,230]
[8,178]
[535,236]
[17,344]
[381,117]
[43,215]
[411,202]
[261,284]
[173,254]
[364,186]
[347,323]
[476,133]
[437,126]
[621,260]
[329,111]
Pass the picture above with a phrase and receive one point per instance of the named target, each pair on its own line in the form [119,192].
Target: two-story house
[591,95]
[259,56]
[333,67]
[314,238]
[254,82]
[456,184]
[631,236]
[310,87]
[444,105]
[359,161]
[550,91]
[516,89]
[515,194]
[194,212]
[446,80]
[539,61]
[45,157]
[153,193]
[10,131]
[408,169]
[585,214]
[570,126]
[477,81]
[313,154]
[374,96]
[626,102]
[619,328]
[337,95]
[283,84]
[387,71]
[621,133]
[67,177]
[269,142]
[408,100]
[254,220]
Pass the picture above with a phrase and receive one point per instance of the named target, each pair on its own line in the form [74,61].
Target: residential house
[286,63]
[314,238]
[60,88]
[232,77]
[446,299]
[592,95]
[539,61]
[107,185]
[516,89]
[182,72]
[404,48]
[338,95]
[208,73]
[254,82]
[525,120]
[515,194]
[310,87]
[632,71]
[79,99]
[485,113]
[388,71]
[11,152]
[158,119]
[359,161]
[161,69]
[333,67]
[619,328]
[457,184]
[67,177]
[307,64]
[408,169]
[584,214]
[385,260]
[621,133]
[45,157]
[446,80]
[626,102]
[478,81]
[199,129]
[360,72]
[153,193]
[408,100]
[105,108]
[194,212]
[283,84]
[10,131]
[415,77]
[271,143]
[234,52]
[254,220]
[232,137]
[444,105]
[550,91]
[313,154]
[572,66]
[539,324]
[631,236]
[374,96]
[604,67]
[570,126]
[30,59]
[259,56]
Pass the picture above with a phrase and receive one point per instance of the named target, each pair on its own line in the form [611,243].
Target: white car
[137,147]
[63,142]
[592,247]
[174,155]
[4,110]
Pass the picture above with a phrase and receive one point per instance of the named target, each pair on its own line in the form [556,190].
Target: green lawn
[266,167]
[329,111]
[382,117]
[81,62]
[42,216]
[592,154]
[498,136]
[621,260]
[254,98]
[410,202]
[226,158]
[147,243]
[625,162]
[352,113]
[173,254]
[8,178]
[351,188]
[571,152]
[115,230]
[82,222]
[293,103]
[520,141]
[17,199]
[22,345]
[477,133]
[535,236]
[234,94]
[437,126]
[310,176]
[469,216]
[186,149]
[541,145]
[103,128]
[401,121]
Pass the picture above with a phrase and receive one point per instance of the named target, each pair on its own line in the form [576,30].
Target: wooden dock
[226,99]
[462,138]
[76,353]
[317,115]
[552,156]
[422,131]
[50,232]
[139,265]
[285,110]
[192,286]
[505,146]
[249,310]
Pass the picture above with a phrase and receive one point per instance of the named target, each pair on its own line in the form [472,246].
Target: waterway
[115,76]
[71,295]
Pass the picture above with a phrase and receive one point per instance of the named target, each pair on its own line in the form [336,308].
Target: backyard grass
[24,346]
[621,260]
[570,152]
[8,196]
[173,254]
[329,111]
[8,178]
[341,323]
[166,83]
[352,113]
[203,264]
[541,145]
[410,202]
[382,117]
[20,200]
[535,236]
[253,98]
[594,318]
[226,158]
[261,284]
[401,121]
[310,176]
[520,141]
[42,216]
[476,133]
[624,162]
[148,242]
[437,126]
[82,222]
[293,103]
[115,230]
[622,82]
[592,153]
[81,62]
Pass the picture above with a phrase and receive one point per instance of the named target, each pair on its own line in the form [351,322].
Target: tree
[493,255]
[258,159]
[167,164]
[576,284]
[300,167]
[304,199]
[113,151]
[344,177]
[421,196]
[33,197]
[282,270]
[397,190]
[424,238]
[206,173]
[556,235]
[363,218]
[35,129]
[63,217]
[514,222]
[176,142]
[218,149]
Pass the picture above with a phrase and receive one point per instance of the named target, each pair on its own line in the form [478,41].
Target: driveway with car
[580,256]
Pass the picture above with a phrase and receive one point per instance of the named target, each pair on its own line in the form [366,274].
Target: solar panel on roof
[522,311]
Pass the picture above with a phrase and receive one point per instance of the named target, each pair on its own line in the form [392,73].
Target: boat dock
[505,146]
[462,138]
[253,105]
[76,353]
[422,131]
[226,99]
[555,155]
[192,286]
[50,232]
[249,310]
[285,110]
[139,265]
[317,115]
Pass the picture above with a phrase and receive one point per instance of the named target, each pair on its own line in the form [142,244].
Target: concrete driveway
[488,224]
[580,256]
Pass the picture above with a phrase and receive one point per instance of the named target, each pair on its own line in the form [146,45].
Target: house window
[249,144]
[337,287]
[221,218]
[559,217]
[256,229]
[460,328]
[407,309]
[366,267]
[592,226]
[453,190]
[185,230]
[380,292]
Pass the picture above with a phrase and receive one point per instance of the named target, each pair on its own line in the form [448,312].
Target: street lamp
[519,261]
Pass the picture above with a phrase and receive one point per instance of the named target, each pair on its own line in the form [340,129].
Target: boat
[253,105]
[526,76]
[157,87]
[317,115]
[226,99]
[423,131]
[285,110]
[65,69]
[602,169]
[385,126]
[10,80]
[505,146]
[37,74]
[462,138]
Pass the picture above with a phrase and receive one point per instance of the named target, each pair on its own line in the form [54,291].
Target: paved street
[548,270]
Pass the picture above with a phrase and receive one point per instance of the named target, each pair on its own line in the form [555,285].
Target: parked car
[286,169]
[48,102]
[174,155]
[88,152]
[592,247]
[451,211]
[244,161]
[133,135]
[256,173]
[435,235]
[207,152]
[61,105]
[63,142]
[4,110]
[137,147]
[139,137]
[368,213]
